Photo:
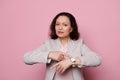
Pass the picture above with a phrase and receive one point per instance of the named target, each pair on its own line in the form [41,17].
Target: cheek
[68,30]
[56,28]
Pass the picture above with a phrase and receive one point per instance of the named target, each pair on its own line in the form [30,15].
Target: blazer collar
[71,45]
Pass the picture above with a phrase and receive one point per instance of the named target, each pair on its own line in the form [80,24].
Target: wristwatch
[73,60]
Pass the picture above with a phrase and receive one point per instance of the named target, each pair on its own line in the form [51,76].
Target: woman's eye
[56,24]
[65,24]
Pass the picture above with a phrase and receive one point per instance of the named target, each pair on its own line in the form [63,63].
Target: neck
[64,41]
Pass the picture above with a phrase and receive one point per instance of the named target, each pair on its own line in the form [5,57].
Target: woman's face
[63,27]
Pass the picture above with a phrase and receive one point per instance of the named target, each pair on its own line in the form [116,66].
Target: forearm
[56,55]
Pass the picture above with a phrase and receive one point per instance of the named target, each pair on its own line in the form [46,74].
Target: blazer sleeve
[38,55]
[88,57]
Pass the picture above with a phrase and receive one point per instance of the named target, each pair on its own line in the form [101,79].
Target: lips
[60,32]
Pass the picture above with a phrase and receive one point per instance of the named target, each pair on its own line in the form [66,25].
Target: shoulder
[49,41]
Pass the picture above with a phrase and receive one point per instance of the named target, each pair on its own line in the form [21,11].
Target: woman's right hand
[56,55]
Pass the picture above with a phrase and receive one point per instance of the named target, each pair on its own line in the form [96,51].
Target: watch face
[73,59]
[73,62]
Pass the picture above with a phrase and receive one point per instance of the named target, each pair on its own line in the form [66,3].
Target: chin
[61,36]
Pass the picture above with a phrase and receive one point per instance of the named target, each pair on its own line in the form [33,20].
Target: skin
[63,29]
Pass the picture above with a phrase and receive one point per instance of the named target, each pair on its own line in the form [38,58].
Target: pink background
[24,25]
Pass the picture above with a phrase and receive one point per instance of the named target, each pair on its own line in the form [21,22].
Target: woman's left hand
[62,66]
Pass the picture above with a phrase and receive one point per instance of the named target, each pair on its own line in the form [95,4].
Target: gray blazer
[75,49]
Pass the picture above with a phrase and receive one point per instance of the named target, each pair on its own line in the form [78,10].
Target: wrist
[73,61]
[50,55]
[78,61]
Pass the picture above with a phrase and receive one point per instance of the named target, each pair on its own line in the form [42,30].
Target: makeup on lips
[60,32]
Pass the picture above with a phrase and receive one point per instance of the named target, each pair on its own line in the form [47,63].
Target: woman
[64,53]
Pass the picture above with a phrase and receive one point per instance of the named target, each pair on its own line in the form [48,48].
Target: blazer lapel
[58,46]
[70,46]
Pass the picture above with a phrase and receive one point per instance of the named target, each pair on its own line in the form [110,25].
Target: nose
[60,27]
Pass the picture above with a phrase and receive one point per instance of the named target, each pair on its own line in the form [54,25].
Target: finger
[54,66]
[62,71]
[61,57]
[58,67]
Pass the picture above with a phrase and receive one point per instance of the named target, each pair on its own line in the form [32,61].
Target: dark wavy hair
[74,35]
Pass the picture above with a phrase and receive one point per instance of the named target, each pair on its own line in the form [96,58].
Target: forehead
[63,19]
